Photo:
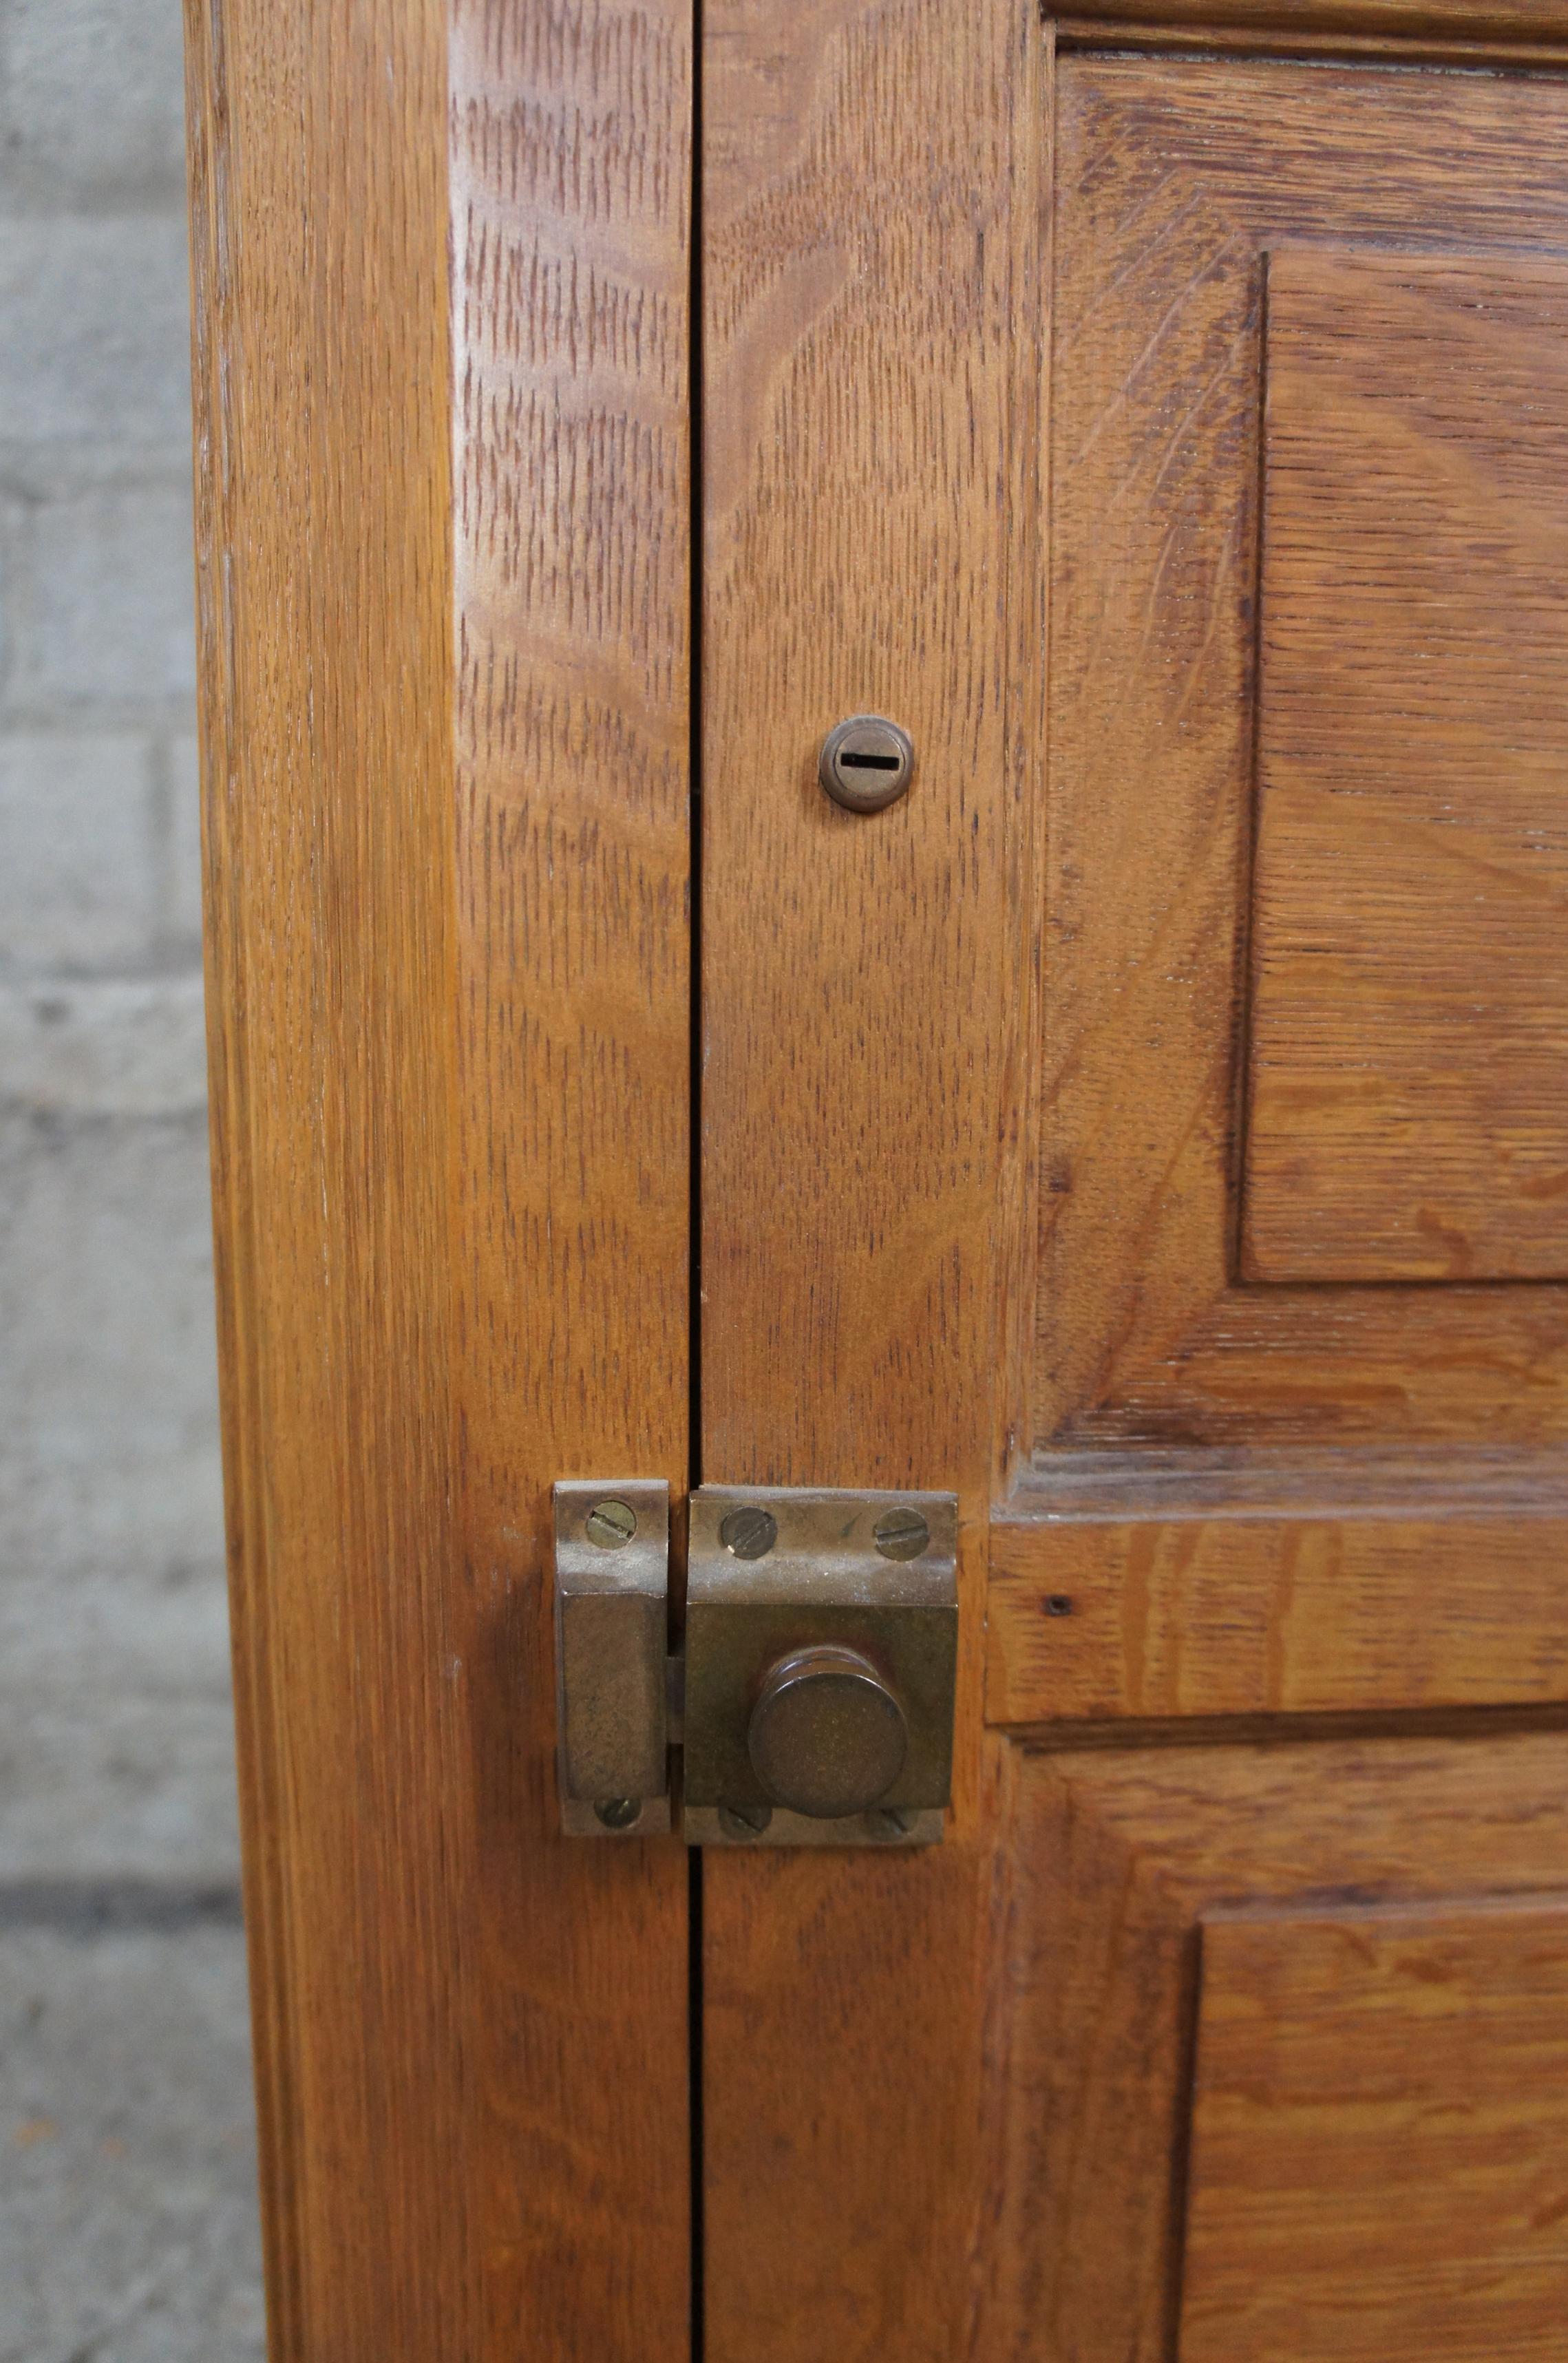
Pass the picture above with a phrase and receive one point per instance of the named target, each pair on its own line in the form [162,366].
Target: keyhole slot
[866,763]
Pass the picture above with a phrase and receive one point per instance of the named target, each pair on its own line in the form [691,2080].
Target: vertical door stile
[871,319]
[441,261]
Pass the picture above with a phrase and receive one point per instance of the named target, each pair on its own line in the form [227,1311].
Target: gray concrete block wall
[134,2235]
[142,2177]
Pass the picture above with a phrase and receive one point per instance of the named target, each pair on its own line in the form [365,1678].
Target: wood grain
[1319,1585]
[1506,21]
[873,306]
[1380,2118]
[1446,43]
[1175,180]
[1408,1053]
[443,629]
[570,181]
[1121,1865]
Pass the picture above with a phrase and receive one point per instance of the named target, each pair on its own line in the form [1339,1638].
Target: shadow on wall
[127,2198]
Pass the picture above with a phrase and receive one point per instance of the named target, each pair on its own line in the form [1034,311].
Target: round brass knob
[827,1735]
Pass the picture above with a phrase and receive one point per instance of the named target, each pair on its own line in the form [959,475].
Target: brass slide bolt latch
[820,1648]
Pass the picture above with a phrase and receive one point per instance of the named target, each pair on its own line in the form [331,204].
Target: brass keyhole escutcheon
[866,763]
[827,1736]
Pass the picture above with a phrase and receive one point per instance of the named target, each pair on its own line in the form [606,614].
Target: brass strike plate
[821,1652]
[612,1574]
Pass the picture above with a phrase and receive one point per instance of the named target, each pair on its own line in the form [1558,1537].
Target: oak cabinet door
[1154,1126]
[442,525]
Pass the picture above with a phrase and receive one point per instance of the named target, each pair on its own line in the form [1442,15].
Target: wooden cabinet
[1172,1095]
[1153,1127]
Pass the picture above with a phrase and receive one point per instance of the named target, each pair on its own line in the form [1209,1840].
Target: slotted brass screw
[620,1812]
[749,1532]
[901,1534]
[744,1820]
[610,1524]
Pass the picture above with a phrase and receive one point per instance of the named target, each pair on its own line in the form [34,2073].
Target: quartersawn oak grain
[1175,180]
[1380,2113]
[569,209]
[1297,1614]
[1324,1583]
[442,585]
[873,300]
[1121,1865]
[1408,1037]
[1503,21]
[443,617]
[878,2033]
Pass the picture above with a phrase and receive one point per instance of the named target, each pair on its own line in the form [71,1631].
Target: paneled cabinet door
[1154,1125]
[1151,1127]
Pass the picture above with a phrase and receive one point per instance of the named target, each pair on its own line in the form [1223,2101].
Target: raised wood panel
[1310,1603]
[1407,1039]
[1378,2168]
[873,301]
[1175,180]
[443,613]
[1119,1868]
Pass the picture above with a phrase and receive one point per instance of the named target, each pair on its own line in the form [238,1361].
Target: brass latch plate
[821,1648]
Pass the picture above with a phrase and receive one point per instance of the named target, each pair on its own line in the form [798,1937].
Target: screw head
[620,1812]
[866,762]
[744,1820]
[749,1532]
[901,1533]
[610,1524]
[888,1823]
